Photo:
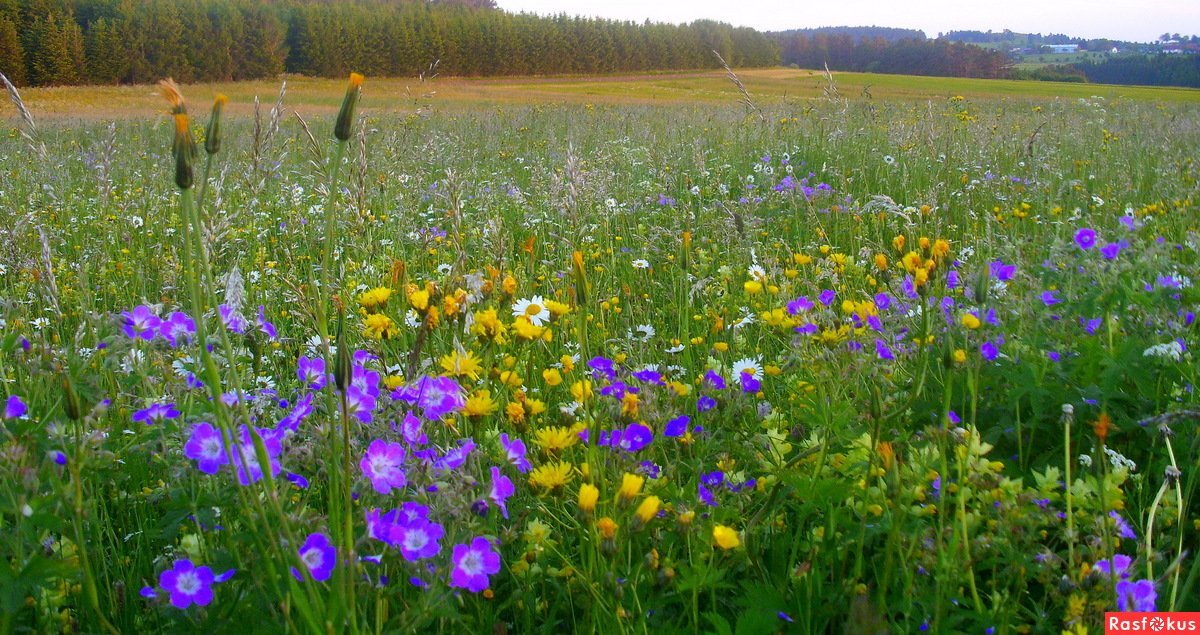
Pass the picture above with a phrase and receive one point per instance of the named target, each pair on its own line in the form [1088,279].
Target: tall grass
[837,342]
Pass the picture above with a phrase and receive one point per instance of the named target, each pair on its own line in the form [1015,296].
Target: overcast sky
[1135,20]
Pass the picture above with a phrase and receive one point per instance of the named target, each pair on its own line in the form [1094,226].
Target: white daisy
[748,365]
[641,263]
[642,332]
[532,308]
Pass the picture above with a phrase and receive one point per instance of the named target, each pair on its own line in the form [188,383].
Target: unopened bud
[345,117]
[212,134]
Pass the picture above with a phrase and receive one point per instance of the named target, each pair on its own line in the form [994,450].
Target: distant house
[1063,48]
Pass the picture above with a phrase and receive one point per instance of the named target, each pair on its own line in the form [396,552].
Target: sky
[1131,20]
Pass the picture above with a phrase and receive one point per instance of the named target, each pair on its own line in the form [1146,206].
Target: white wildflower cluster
[1118,460]
[1172,350]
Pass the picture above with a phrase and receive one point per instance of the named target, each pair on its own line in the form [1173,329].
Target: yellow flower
[510,378]
[515,411]
[898,242]
[488,326]
[462,364]
[419,299]
[588,495]
[480,404]
[752,287]
[582,390]
[375,298]
[379,326]
[568,363]
[555,438]
[801,259]
[392,382]
[970,321]
[881,262]
[726,537]
[558,308]
[607,528]
[648,508]
[631,485]
[552,377]
[629,404]
[550,476]
[527,330]
[509,285]
[960,356]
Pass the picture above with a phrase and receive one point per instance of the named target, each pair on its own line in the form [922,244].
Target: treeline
[1145,70]
[841,52]
[888,33]
[56,42]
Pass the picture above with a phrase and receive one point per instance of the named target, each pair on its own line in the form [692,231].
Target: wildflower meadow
[832,364]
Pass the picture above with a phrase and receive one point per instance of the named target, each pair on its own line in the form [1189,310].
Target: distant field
[311,96]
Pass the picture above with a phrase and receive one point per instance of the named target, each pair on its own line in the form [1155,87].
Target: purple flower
[311,372]
[650,376]
[602,366]
[1128,222]
[156,413]
[360,404]
[1090,325]
[1085,238]
[319,556]
[58,457]
[952,279]
[177,328]
[883,301]
[705,495]
[827,297]
[473,564]
[187,584]
[141,323]
[296,479]
[1054,356]
[436,396]
[676,427]
[1050,298]
[1118,566]
[1002,272]
[705,403]
[291,422]
[989,351]
[909,287]
[383,465]
[514,452]
[750,383]
[1111,251]
[14,407]
[635,437]
[1136,596]
[502,488]
[882,350]
[263,325]
[417,539]
[1123,528]
[232,319]
[205,447]
[410,428]
[455,458]
[799,305]
[245,459]
[715,380]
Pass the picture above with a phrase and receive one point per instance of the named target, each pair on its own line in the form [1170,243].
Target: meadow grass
[606,356]
[311,96]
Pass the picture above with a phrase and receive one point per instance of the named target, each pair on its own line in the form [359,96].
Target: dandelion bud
[631,485]
[185,149]
[212,134]
[71,401]
[341,366]
[345,117]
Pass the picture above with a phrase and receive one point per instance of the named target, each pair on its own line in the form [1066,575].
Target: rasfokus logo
[1130,623]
